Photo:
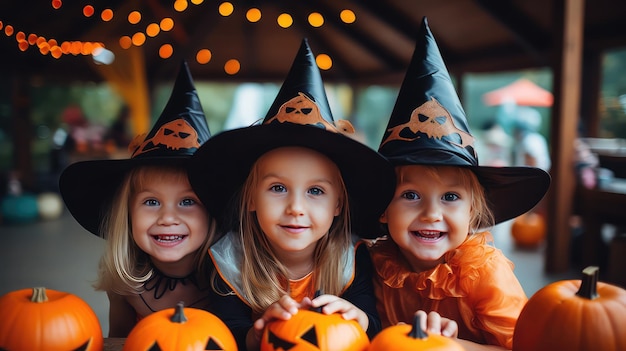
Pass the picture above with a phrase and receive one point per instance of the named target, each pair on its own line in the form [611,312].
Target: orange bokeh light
[139,39]
[324,61]
[166,51]
[76,48]
[1,24]
[153,30]
[125,42]
[197,2]
[253,15]
[226,9]
[56,4]
[347,16]
[56,52]
[316,19]
[88,11]
[167,24]
[66,46]
[134,17]
[20,36]
[107,15]
[232,66]
[180,5]
[23,45]
[203,56]
[32,38]
[8,30]
[284,20]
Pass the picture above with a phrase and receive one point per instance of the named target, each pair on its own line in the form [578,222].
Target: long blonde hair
[264,277]
[124,267]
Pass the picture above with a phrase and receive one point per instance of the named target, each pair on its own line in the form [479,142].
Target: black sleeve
[236,314]
[361,292]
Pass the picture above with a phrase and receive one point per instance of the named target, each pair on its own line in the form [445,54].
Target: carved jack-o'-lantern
[313,331]
[39,319]
[180,328]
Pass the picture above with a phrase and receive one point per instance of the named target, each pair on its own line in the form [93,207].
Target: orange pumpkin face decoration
[180,328]
[314,331]
[39,319]
[301,110]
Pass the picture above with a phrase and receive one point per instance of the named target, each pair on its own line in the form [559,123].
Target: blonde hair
[124,267]
[481,216]
[264,277]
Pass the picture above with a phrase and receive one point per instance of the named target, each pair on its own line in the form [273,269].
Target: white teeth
[168,237]
[429,234]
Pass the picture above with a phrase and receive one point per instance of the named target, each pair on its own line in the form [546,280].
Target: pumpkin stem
[588,286]
[417,332]
[318,293]
[39,295]
[179,315]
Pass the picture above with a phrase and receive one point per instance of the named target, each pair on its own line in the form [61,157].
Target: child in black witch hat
[157,230]
[299,187]
[439,257]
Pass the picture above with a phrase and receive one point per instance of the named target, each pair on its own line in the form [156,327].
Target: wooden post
[565,113]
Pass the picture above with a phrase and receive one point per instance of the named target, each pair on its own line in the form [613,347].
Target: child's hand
[282,309]
[333,304]
[433,323]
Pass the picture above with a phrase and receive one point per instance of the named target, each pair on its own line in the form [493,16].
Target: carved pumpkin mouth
[310,336]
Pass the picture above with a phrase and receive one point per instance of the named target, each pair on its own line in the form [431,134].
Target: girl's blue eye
[316,191]
[409,195]
[151,202]
[450,197]
[188,202]
[278,188]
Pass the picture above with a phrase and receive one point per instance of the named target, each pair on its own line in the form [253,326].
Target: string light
[152,30]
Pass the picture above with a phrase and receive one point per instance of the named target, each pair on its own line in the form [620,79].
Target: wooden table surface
[113,344]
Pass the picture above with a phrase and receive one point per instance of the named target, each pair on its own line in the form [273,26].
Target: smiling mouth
[428,234]
[168,238]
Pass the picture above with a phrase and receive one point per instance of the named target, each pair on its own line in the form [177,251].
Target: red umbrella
[522,92]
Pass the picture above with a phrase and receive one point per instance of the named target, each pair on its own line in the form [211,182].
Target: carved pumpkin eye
[211,345]
[183,135]
[289,109]
[310,336]
[167,131]
[307,110]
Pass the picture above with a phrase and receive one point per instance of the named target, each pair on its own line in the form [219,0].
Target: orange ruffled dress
[476,287]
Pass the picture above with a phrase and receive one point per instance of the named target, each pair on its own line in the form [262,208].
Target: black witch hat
[88,187]
[428,127]
[299,116]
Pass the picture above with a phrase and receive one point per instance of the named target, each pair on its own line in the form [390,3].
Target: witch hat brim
[369,177]
[88,187]
[428,126]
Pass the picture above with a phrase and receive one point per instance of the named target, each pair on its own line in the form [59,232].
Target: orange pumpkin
[528,229]
[309,330]
[40,319]
[180,328]
[405,337]
[573,315]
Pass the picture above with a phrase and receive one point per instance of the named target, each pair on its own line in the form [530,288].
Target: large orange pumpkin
[50,320]
[405,337]
[528,229]
[310,330]
[573,315]
[180,328]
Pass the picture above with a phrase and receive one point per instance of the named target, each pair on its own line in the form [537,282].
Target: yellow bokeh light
[203,56]
[125,42]
[253,15]
[226,9]
[107,15]
[316,19]
[166,51]
[139,39]
[167,24]
[180,5]
[88,11]
[153,30]
[232,66]
[284,20]
[197,2]
[347,16]
[134,17]
[324,61]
